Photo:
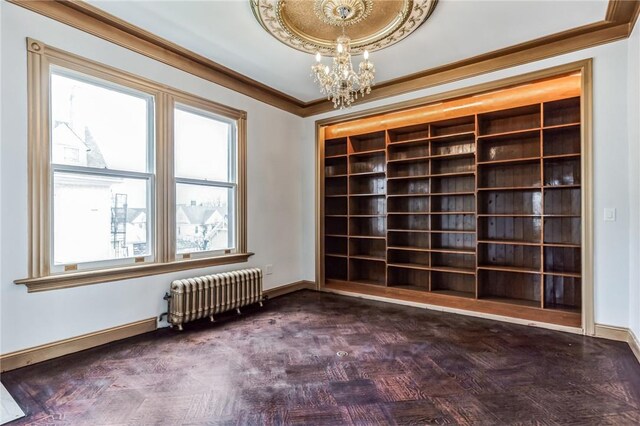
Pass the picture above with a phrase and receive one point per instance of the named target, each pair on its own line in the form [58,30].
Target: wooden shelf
[444,175]
[510,188]
[367,237]
[510,133]
[409,141]
[367,153]
[507,215]
[564,274]
[409,195]
[449,213]
[373,258]
[509,269]
[368,282]
[509,161]
[561,186]
[336,255]
[368,174]
[465,271]
[435,250]
[449,194]
[452,136]
[464,294]
[570,245]
[551,157]
[561,126]
[432,231]
[456,212]
[507,242]
[449,156]
[434,176]
[513,301]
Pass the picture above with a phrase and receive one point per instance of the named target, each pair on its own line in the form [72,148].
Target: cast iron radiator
[205,296]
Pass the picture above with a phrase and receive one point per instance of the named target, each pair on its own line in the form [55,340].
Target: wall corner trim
[22,358]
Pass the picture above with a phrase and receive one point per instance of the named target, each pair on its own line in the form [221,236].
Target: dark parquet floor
[278,365]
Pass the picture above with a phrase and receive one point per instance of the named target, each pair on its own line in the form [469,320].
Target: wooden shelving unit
[479,211]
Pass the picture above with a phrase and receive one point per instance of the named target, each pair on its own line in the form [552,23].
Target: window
[102,137]
[205,176]
[129,177]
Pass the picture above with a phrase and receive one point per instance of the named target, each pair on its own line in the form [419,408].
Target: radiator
[208,295]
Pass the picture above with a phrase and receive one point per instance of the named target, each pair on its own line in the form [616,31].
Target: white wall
[610,175]
[274,188]
[281,201]
[634,179]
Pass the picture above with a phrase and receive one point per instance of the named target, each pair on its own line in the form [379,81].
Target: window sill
[77,279]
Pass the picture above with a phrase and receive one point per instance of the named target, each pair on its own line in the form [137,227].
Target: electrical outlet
[268,269]
[609,214]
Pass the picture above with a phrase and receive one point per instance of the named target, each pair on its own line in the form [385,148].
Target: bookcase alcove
[473,203]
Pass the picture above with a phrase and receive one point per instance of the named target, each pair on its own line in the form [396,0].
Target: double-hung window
[102,172]
[127,177]
[205,182]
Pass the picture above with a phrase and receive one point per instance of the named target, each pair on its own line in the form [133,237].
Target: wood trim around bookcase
[579,75]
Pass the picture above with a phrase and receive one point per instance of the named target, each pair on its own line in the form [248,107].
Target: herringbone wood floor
[278,365]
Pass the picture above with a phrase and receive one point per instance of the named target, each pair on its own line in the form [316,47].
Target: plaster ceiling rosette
[314,25]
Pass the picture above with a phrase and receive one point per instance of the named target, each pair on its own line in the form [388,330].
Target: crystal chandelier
[340,82]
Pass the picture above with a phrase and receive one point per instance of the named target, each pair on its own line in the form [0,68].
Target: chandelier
[340,83]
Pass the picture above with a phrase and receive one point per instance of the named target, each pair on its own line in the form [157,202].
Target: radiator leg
[261,304]
[238,311]
[212,319]
[180,327]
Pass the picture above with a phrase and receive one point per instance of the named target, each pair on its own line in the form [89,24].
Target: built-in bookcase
[484,207]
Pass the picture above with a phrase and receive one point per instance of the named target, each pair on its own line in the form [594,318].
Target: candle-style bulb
[366,55]
[318,57]
[340,48]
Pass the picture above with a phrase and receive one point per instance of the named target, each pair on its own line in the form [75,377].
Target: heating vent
[208,295]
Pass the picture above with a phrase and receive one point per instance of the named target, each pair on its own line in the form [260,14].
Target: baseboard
[620,334]
[634,343]
[289,288]
[29,356]
[611,332]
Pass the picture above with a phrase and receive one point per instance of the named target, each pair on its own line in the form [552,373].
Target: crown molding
[618,24]
[99,23]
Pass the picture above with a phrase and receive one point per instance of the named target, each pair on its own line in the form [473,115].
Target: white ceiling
[226,32]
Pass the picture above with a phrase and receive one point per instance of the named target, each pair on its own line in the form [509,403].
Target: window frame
[204,110]
[42,275]
[149,176]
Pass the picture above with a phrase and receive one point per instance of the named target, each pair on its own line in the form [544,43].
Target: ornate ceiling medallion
[314,25]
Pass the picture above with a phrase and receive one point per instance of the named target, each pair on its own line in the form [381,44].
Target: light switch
[609,214]
[268,269]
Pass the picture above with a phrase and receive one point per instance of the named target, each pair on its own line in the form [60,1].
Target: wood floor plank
[279,365]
